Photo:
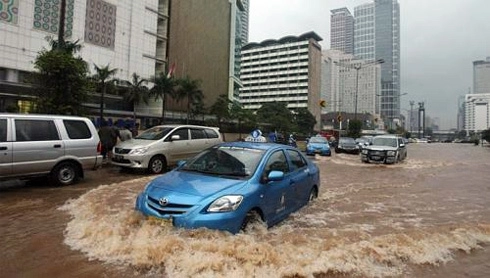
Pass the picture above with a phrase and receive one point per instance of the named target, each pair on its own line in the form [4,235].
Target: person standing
[108,137]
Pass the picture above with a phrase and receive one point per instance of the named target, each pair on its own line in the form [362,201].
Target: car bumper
[320,152]
[195,218]
[130,161]
[378,159]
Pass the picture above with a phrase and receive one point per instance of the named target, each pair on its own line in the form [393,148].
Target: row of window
[44,130]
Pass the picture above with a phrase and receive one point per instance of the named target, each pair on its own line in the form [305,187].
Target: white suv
[161,146]
[46,145]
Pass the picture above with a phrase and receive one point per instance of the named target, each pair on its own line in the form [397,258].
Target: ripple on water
[105,227]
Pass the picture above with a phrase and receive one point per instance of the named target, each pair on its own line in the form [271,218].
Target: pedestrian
[124,133]
[108,137]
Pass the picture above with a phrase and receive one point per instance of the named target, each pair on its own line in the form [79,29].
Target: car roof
[386,136]
[177,125]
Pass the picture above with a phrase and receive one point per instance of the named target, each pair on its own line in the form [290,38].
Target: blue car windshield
[321,140]
[154,133]
[226,161]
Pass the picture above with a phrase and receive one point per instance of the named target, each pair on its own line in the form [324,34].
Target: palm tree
[221,110]
[103,76]
[164,87]
[189,89]
[136,93]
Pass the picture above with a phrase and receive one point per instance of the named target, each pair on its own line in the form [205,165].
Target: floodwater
[428,216]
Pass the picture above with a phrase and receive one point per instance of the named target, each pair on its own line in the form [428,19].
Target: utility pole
[412,103]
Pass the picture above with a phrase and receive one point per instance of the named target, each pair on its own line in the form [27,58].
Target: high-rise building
[285,70]
[481,76]
[477,112]
[342,30]
[346,80]
[243,10]
[204,44]
[377,36]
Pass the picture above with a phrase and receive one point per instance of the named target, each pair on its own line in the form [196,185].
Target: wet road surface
[428,216]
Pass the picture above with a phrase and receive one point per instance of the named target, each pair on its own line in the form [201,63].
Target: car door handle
[3,148]
[57,146]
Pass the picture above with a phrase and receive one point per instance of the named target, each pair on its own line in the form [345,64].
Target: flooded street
[428,216]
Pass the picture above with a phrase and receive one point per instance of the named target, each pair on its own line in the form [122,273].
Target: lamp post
[357,67]
[412,103]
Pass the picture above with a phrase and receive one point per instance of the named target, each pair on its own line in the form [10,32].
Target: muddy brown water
[428,216]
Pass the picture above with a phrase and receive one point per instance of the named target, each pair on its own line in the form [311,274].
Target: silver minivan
[60,147]
[161,146]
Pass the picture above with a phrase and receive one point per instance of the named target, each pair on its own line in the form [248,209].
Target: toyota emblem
[163,201]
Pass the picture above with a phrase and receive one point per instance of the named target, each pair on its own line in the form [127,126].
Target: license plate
[118,157]
[375,157]
[164,222]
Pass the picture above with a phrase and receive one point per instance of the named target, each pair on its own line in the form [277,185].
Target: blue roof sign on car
[256,136]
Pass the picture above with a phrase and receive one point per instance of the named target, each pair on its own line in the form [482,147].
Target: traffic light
[339,118]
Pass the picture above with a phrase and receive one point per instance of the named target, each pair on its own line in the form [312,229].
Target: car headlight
[226,203]
[139,150]
[390,153]
[364,151]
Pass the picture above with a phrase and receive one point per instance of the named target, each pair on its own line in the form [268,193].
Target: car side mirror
[275,176]
[175,138]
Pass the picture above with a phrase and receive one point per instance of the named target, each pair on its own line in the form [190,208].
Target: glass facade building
[342,30]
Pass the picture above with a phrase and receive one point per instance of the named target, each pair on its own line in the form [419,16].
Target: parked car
[347,145]
[229,185]
[161,146]
[60,147]
[318,145]
[386,149]
[363,141]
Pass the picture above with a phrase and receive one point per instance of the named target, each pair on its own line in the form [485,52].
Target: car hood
[381,148]
[348,144]
[135,143]
[190,187]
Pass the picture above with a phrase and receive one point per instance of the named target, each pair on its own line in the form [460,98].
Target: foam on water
[320,238]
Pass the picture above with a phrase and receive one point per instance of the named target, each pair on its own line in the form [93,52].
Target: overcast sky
[440,39]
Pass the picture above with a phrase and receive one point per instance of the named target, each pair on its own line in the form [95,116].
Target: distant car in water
[229,185]
[364,141]
[386,149]
[347,145]
[318,145]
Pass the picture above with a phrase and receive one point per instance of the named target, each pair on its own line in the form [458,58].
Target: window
[182,132]
[198,133]
[211,133]
[276,162]
[35,130]
[77,129]
[3,130]
[297,160]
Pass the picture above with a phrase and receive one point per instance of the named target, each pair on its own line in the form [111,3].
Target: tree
[354,129]
[61,80]
[485,135]
[237,112]
[164,86]
[102,77]
[136,92]
[305,121]
[220,109]
[277,115]
[189,90]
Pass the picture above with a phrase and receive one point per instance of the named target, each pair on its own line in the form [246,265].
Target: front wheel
[65,173]
[157,165]
[252,217]
[313,194]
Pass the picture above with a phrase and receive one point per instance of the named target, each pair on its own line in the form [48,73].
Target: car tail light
[99,148]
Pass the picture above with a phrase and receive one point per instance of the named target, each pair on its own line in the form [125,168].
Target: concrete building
[346,79]
[285,70]
[128,35]
[204,44]
[342,30]
[377,36]
[481,76]
[477,112]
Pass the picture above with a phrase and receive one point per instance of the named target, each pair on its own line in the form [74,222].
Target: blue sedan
[232,184]
[318,145]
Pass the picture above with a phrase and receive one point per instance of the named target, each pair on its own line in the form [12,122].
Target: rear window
[77,129]
[211,133]
[3,130]
[198,133]
[36,130]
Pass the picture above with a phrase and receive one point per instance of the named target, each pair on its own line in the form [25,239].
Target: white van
[60,147]
[161,146]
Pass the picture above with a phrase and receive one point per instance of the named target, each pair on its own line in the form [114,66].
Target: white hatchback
[161,146]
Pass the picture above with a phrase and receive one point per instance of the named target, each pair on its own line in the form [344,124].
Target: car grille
[169,209]
[121,150]
[377,153]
